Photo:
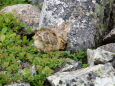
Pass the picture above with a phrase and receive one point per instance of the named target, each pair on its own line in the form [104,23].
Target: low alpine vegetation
[19,59]
[18,56]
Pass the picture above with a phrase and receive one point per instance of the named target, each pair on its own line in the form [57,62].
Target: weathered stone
[100,75]
[69,61]
[89,18]
[72,67]
[54,38]
[99,56]
[33,70]
[110,38]
[66,65]
[108,47]
[27,13]
[18,84]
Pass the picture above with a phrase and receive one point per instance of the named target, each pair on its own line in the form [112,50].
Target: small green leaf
[84,65]
[2,37]
[25,39]
[4,30]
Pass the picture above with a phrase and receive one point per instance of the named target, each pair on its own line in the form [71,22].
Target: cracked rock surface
[91,76]
[99,56]
[108,47]
[89,20]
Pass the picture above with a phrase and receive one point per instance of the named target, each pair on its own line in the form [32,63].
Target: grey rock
[69,61]
[33,70]
[25,64]
[103,54]
[99,56]
[108,47]
[66,65]
[18,84]
[110,37]
[75,66]
[100,75]
[27,13]
[89,18]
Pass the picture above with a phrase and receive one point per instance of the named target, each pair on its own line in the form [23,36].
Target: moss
[99,11]
[17,55]
[43,29]
[17,50]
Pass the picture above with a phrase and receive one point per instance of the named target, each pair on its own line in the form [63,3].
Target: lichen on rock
[91,76]
[90,20]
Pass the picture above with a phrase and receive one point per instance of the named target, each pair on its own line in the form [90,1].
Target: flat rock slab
[27,13]
[100,75]
[72,67]
[89,20]
[18,84]
[108,47]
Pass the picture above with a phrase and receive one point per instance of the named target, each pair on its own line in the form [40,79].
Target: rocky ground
[74,25]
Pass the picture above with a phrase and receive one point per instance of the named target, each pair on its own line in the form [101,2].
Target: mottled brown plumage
[51,39]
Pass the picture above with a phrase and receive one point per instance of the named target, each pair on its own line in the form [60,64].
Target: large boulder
[100,75]
[108,47]
[102,54]
[99,56]
[89,20]
[27,13]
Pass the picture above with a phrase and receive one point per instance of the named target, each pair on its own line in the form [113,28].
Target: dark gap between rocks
[110,27]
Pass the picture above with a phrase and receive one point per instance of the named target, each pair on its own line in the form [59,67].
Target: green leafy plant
[18,55]
[17,50]
[79,55]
